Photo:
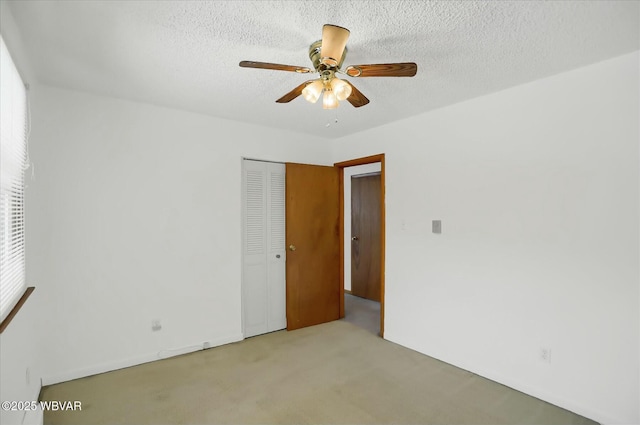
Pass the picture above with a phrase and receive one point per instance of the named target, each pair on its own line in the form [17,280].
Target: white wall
[20,345]
[135,216]
[537,188]
[348,173]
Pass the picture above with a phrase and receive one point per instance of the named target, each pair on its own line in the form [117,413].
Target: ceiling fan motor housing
[317,60]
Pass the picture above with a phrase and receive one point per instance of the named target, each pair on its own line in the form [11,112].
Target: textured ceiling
[185,54]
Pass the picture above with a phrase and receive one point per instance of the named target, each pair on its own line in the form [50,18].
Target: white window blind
[13,162]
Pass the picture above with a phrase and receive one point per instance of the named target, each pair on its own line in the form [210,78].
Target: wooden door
[365,236]
[313,245]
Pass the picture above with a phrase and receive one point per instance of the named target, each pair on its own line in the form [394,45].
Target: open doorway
[362,246]
[362,235]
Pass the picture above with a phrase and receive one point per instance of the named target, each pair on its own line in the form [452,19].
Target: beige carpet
[334,373]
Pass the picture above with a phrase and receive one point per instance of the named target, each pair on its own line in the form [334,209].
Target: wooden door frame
[341,166]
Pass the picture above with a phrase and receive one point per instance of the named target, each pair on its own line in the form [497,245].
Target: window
[13,162]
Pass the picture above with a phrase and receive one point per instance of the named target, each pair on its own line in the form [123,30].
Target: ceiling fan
[327,56]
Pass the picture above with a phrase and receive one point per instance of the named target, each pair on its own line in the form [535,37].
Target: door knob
[355,238]
[292,247]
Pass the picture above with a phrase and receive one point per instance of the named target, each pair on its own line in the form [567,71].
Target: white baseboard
[36,416]
[587,411]
[33,417]
[572,406]
[134,361]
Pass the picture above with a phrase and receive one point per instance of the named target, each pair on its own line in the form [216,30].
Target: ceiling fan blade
[274,66]
[293,93]
[334,40]
[357,99]
[404,69]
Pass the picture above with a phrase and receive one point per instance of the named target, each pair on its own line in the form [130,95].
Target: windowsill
[17,308]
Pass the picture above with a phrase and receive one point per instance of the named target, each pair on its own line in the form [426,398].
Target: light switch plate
[436,226]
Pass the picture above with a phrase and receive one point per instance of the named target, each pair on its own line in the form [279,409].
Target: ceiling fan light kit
[329,99]
[341,88]
[332,90]
[327,56]
[312,91]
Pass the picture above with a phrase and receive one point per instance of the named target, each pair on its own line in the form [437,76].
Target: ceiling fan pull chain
[335,119]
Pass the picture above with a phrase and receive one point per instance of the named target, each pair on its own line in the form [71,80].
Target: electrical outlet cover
[436,226]
[545,354]
[155,325]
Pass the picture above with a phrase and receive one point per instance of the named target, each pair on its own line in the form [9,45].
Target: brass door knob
[292,247]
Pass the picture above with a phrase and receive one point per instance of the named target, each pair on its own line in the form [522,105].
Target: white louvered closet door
[263,246]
